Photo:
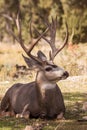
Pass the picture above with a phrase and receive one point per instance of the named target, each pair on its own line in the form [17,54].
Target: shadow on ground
[74,114]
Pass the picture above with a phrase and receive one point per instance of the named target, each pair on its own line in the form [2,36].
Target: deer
[41,98]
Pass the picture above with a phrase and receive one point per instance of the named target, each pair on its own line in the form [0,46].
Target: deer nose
[65,74]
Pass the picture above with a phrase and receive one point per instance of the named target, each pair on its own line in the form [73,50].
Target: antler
[20,40]
[52,28]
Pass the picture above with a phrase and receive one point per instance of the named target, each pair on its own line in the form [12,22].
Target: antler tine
[17,22]
[51,27]
[31,29]
[20,40]
[8,26]
[53,34]
[64,43]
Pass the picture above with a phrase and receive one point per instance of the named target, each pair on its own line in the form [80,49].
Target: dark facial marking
[48,69]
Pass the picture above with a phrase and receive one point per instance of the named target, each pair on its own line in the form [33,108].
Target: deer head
[47,70]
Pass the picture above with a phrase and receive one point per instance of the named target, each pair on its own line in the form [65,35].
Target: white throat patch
[48,86]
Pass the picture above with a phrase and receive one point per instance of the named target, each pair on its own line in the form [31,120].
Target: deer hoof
[60,116]
[43,115]
[26,115]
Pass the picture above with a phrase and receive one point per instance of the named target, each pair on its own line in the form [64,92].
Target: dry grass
[73,59]
[10,54]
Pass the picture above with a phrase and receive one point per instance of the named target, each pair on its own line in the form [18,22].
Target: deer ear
[31,63]
[41,56]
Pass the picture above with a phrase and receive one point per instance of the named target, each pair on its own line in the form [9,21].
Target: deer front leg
[25,113]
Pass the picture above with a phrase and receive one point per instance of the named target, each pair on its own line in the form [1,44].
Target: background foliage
[73,11]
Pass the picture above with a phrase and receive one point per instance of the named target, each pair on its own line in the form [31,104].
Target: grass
[74,89]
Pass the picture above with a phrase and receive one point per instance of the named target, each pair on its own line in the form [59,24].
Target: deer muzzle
[65,75]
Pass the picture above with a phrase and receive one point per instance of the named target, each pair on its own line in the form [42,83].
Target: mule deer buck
[41,98]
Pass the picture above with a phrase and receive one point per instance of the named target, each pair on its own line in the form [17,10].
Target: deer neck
[43,83]
[45,89]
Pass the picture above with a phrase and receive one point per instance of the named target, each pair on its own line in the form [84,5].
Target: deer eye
[48,69]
